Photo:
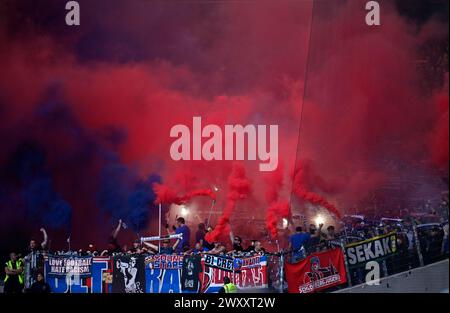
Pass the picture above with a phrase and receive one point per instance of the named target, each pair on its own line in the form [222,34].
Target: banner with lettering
[68,266]
[250,273]
[220,262]
[100,280]
[163,273]
[316,272]
[373,249]
[159,274]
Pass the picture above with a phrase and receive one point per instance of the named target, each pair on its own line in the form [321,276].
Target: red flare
[277,210]
[239,188]
[274,212]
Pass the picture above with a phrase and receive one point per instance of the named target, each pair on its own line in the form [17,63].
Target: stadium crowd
[414,237]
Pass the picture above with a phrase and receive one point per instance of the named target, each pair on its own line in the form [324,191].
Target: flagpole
[159,228]
[210,212]
[347,268]
[281,272]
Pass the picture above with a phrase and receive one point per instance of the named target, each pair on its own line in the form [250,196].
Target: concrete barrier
[432,278]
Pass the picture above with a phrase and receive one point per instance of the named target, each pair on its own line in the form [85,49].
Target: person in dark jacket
[40,286]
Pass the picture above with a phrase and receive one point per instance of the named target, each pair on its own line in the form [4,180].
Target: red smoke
[277,209]
[303,193]
[366,121]
[439,144]
[275,212]
[168,196]
[239,188]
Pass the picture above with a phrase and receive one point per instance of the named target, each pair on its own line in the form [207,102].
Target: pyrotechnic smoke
[277,209]
[44,205]
[123,195]
[439,138]
[366,120]
[169,196]
[300,190]
[239,188]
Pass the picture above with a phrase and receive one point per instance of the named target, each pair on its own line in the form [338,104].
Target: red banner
[317,272]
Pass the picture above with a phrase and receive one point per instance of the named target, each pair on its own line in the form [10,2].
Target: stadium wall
[432,278]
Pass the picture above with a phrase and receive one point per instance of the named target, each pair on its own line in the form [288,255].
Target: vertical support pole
[210,212]
[384,267]
[281,272]
[416,239]
[349,277]
[159,229]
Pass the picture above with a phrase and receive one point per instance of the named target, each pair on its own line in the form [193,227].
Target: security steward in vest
[14,278]
[228,286]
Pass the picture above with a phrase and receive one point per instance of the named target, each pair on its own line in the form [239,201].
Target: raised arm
[318,231]
[291,226]
[231,237]
[150,245]
[170,232]
[117,230]
[45,242]
[176,244]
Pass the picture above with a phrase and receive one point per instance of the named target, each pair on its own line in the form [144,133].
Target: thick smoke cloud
[123,195]
[42,203]
[98,103]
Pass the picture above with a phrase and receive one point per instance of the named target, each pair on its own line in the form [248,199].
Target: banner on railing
[190,273]
[247,274]
[64,266]
[373,249]
[128,274]
[158,274]
[316,272]
[220,262]
[99,280]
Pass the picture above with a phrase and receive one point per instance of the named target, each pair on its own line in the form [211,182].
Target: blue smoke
[123,195]
[42,203]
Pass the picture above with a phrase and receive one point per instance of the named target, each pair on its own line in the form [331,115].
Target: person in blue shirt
[182,228]
[298,240]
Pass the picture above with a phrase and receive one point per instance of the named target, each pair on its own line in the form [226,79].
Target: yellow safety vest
[19,264]
[230,288]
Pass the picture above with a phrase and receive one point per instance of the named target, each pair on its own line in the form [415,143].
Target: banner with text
[373,249]
[68,266]
[159,274]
